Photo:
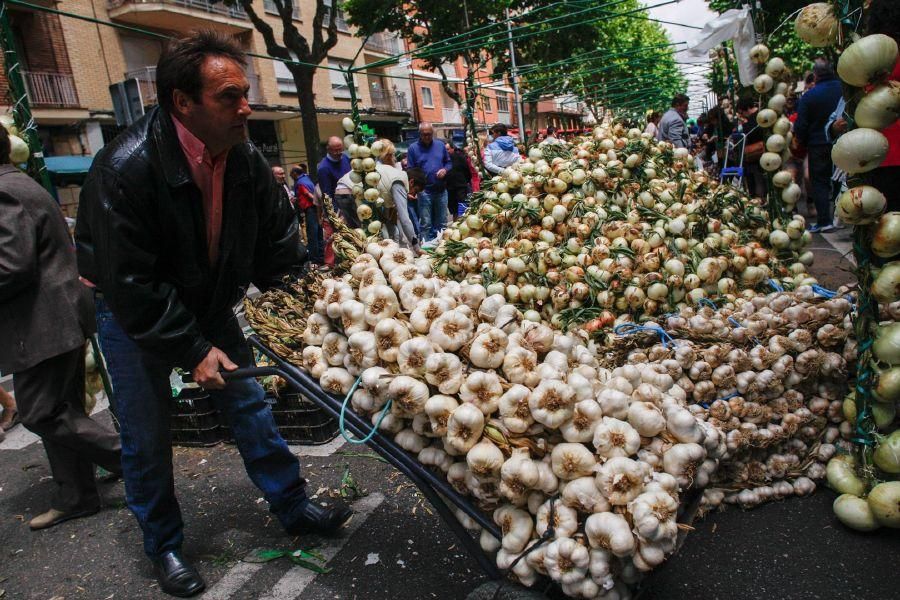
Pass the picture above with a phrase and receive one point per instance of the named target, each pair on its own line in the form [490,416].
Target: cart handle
[250,372]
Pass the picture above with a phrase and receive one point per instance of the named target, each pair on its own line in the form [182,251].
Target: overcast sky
[690,12]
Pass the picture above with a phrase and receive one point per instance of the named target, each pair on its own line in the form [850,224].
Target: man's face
[278,172]
[219,119]
[335,148]
[426,136]
[683,107]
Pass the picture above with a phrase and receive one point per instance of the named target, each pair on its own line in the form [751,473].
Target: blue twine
[728,397]
[375,427]
[821,291]
[632,328]
[707,302]
[775,285]
[734,322]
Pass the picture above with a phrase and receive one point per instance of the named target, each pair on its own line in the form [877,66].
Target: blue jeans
[142,398]
[314,239]
[432,213]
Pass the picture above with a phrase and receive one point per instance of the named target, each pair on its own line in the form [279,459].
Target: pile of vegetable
[619,228]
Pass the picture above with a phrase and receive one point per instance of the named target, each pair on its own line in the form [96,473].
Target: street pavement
[396,546]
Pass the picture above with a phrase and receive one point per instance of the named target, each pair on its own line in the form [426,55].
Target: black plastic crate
[301,421]
[198,437]
[192,400]
[309,435]
[204,420]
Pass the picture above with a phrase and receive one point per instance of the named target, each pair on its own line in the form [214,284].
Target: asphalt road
[396,546]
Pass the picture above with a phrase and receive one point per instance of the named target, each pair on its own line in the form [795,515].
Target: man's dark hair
[300,169]
[499,129]
[822,69]
[746,103]
[884,17]
[180,64]
[551,130]
[680,99]
[5,146]
[417,176]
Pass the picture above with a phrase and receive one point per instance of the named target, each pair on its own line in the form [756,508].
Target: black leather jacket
[141,238]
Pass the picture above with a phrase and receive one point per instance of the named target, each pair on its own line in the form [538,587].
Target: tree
[295,48]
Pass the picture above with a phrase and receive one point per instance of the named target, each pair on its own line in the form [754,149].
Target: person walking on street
[288,192]
[813,112]
[432,158]
[459,179]
[652,127]
[308,212]
[502,152]
[331,168]
[178,215]
[551,139]
[672,127]
[46,316]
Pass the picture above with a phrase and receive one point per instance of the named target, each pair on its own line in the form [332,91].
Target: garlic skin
[317,327]
[464,427]
[353,317]
[609,531]
[425,312]
[485,459]
[516,526]
[681,461]
[439,408]
[444,371]
[514,410]
[566,561]
[362,352]
[314,361]
[582,495]
[571,461]
[412,356]
[654,515]
[482,389]
[585,417]
[389,335]
[409,396]
[646,418]
[451,330]
[565,522]
[622,479]
[517,475]
[488,349]
[551,403]
[381,304]
[613,437]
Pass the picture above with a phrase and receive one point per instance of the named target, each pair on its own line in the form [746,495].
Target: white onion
[886,240]
[759,54]
[777,103]
[770,161]
[886,286]
[775,68]
[887,344]
[816,25]
[348,124]
[860,205]
[763,83]
[766,117]
[884,502]
[859,151]
[880,107]
[867,60]
[18,150]
[854,512]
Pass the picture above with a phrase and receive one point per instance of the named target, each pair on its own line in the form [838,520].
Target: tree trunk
[303,79]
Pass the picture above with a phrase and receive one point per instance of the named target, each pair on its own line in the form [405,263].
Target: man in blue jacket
[502,152]
[813,112]
[435,161]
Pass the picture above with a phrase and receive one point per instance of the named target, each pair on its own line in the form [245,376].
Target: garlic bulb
[586,415]
[336,380]
[334,348]
[613,437]
[451,330]
[314,361]
[654,515]
[438,408]
[482,389]
[412,356]
[565,519]
[415,291]
[516,526]
[551,403]
[390,334]
[362,352]
[582,495]
[571,461]
[514,410]
[464,427]
[409,395]
[353,317]
[444,371]
[485,459]
[609,531]
[424,314]
[382,304]
[621,479]
[646,418]
[682,460]
[317,327]
[566,561]
[519,365]
[488,349]
[518,474]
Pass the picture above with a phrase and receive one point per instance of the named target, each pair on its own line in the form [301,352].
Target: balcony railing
[452,115]
[384,42]
[51,89]
[235,12]
[146,77]
[272,8]
[390,101]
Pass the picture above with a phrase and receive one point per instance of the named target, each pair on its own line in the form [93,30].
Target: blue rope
[375,427]
[728,397]
[775,285]
[631,329]
[821,291]
[707,302]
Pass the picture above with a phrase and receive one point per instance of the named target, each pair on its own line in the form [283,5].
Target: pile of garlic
[520,417]
[772,382]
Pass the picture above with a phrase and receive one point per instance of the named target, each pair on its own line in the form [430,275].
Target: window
[283,78]
[502,102]
[272,8]
[427,98]
[341,21]
[339,87]
[486,101]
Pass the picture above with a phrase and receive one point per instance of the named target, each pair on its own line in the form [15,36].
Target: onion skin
[859,151]
[887,454]
[886,239]
[880,107]
[854,512]
[867,60]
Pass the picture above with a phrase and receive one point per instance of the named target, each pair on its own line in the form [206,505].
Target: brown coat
[44,309]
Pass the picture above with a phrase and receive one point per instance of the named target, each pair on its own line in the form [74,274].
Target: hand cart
[734,175]
[435,488]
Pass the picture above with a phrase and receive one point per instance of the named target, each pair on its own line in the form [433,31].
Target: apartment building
[69,65]
[566,113]
[494,102]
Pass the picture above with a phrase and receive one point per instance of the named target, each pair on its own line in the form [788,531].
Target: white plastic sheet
[735,25]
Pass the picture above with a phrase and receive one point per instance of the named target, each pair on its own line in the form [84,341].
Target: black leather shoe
[317,519]
[176,577]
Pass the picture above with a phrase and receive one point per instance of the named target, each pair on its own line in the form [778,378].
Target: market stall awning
[68,165]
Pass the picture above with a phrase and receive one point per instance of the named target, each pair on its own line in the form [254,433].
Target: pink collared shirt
[209,174]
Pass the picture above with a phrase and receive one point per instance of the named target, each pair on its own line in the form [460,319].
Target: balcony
[452,115]
[146,77]
[389,101]
[383,43]
[179,15]
[51,89]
